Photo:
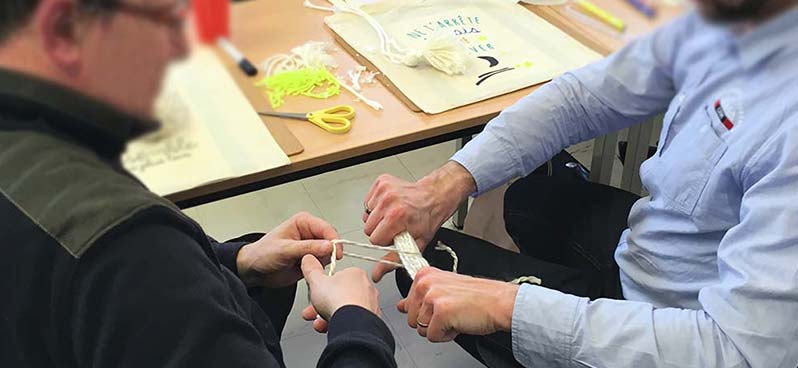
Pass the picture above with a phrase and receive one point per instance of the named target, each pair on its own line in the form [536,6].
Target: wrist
[505,302]
[452,184]
[244,262]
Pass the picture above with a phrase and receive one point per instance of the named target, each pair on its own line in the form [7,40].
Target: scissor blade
[285,115]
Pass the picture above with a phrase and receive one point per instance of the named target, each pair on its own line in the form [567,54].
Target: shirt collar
[769,38]
[92,123]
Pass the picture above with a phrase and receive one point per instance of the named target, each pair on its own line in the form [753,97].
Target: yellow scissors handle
[336,119]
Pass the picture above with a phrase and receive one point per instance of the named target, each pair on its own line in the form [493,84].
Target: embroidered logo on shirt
[729,109]
[722,116]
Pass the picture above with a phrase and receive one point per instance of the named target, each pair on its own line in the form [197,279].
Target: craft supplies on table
[301,82]
[509,48]
[600,14]
[644,7]
[232,51]
[337,119]
[593,23]
[302,71]
[212,19]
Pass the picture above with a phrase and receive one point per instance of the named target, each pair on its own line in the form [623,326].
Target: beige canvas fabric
[510,48]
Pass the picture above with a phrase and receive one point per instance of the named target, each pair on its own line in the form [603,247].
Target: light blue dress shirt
[709,265]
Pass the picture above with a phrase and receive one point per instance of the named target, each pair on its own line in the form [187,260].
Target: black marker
[243,63]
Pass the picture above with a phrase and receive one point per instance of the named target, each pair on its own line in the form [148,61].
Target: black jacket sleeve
[227,253]
[151,297]
[357,338]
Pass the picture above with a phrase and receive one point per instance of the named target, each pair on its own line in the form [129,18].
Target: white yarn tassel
[442,52]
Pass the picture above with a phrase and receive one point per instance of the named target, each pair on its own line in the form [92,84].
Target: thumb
[311,269]
[380,269]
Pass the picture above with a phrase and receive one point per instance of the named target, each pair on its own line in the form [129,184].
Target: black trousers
[567,230]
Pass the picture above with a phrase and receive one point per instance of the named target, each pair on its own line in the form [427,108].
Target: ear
[58,24]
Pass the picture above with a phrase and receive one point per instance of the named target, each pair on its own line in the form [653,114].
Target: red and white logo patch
[729,109]
[722,116]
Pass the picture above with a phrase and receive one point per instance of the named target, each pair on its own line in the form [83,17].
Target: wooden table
[262,28]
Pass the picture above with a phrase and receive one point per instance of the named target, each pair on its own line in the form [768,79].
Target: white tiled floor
[338,197]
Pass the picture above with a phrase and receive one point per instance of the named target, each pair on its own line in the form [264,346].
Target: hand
[419,208]
[451,304]
[274,260]
[329,293]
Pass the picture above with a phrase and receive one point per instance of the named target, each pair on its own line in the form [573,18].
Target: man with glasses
[98,271]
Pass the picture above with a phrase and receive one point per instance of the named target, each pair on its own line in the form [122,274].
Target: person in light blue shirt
[708,267]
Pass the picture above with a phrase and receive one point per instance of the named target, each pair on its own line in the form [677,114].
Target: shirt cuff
[228,254]
[488,160]
[543,323]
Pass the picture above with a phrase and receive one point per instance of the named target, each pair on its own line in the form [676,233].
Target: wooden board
[285,139]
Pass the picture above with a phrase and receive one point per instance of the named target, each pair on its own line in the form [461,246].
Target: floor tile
[295,325]
[423,161]
[423,352]
[339,194]
[303,351]
[440,355]
[296,344]
[258,211]
[402,356]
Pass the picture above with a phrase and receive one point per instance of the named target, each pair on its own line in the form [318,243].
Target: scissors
[335,119]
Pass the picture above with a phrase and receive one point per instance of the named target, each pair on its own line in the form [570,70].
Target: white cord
[526,280]
[411,257]
[309,4]
[371,103]
[447,249]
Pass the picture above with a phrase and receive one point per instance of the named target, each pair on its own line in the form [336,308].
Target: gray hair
[16,13]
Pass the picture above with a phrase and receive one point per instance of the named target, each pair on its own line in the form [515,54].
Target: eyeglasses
[171,15]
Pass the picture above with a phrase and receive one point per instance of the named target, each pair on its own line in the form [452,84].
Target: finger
[365,217]
[339,251]
[374,190]
[401,306]
[320,325]
[373,218]
[321,249]
[386,230]
[309,313]
[380,269]
[413,304]
[312,227]
[312,270]
[424,317]
[439,330]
